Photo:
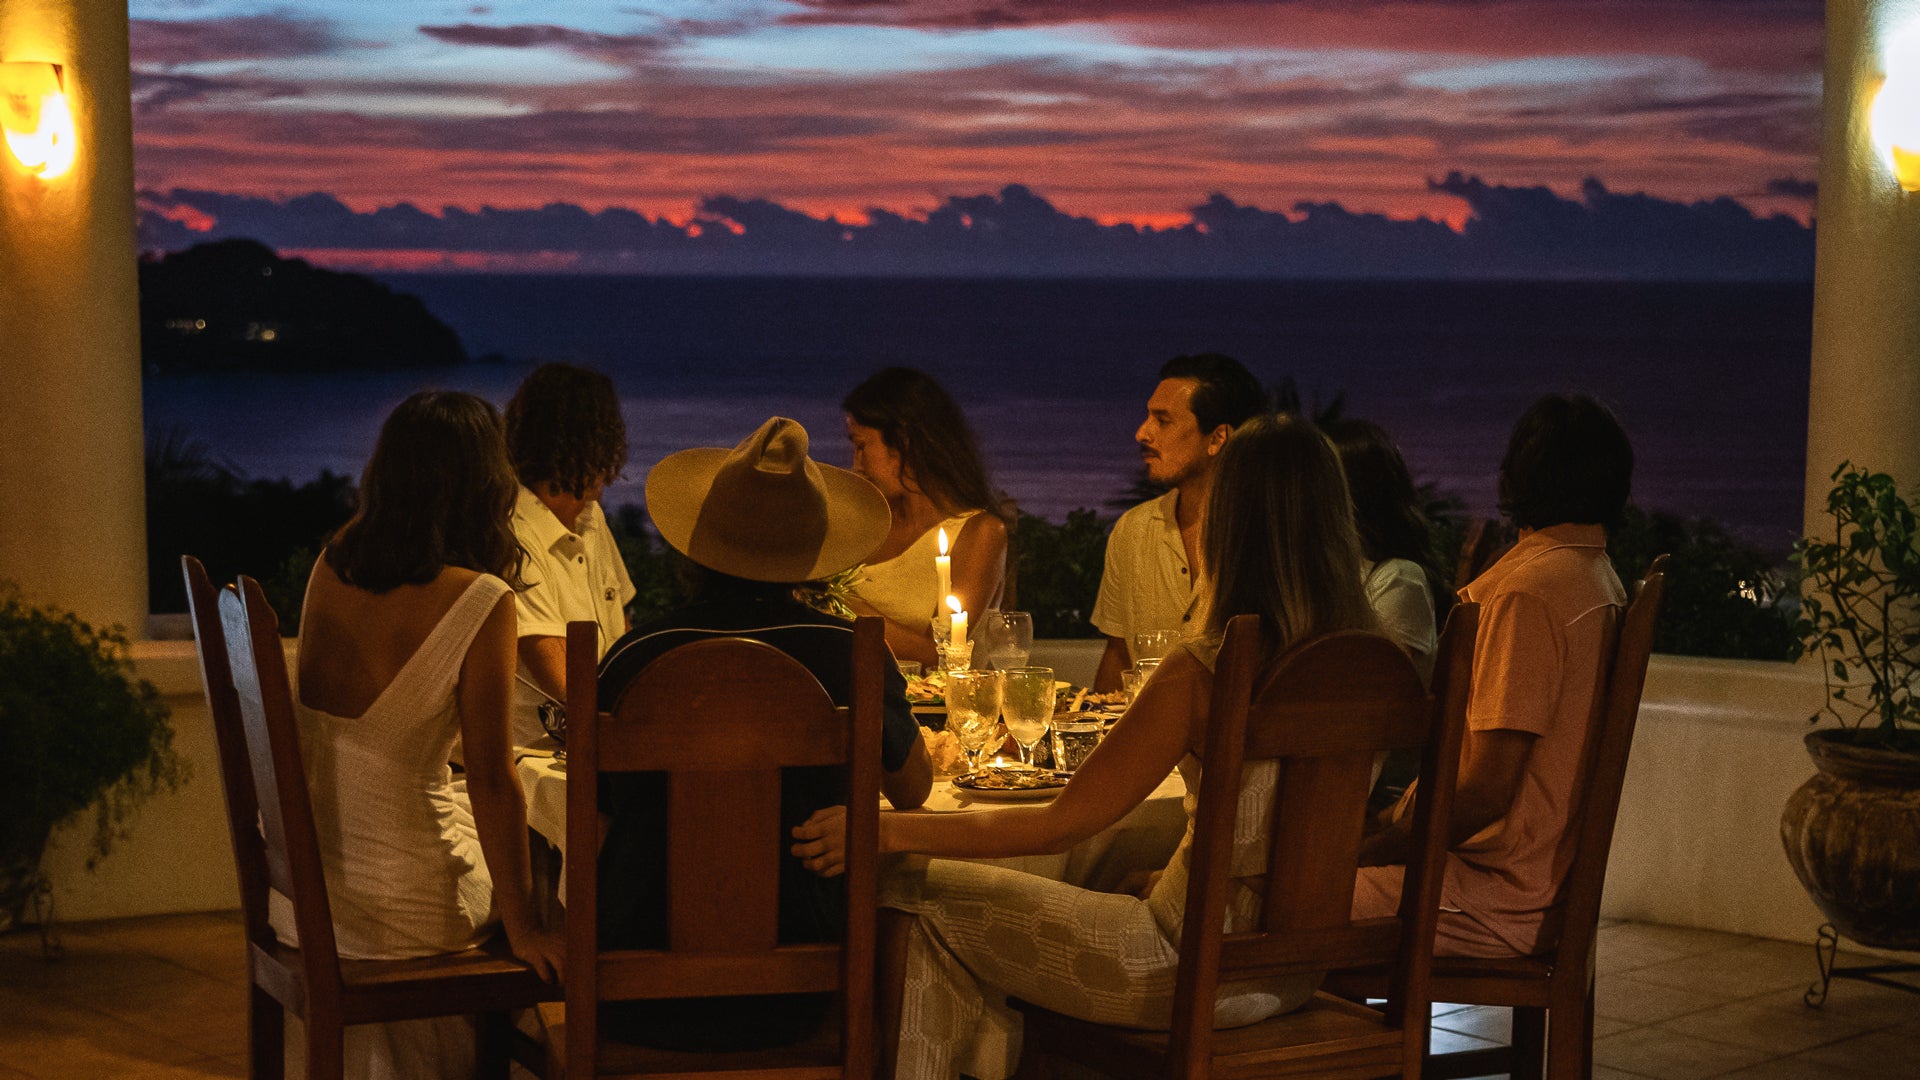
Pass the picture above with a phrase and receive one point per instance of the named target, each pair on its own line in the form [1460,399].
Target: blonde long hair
[1279,539]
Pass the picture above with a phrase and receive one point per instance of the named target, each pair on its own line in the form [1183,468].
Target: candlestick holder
[955,655]
[942,628]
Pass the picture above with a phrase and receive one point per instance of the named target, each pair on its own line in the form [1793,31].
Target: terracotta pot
[1852,833]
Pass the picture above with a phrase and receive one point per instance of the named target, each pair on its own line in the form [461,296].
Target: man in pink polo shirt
[1538,664]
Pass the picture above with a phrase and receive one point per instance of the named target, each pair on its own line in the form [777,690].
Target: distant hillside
[235,305]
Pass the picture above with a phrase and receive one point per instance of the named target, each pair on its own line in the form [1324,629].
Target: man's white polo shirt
[571,576]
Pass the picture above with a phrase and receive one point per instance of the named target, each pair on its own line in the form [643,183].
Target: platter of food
[1011,783]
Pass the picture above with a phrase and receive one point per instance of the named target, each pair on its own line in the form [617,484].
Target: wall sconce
[36,118]
[1894,115]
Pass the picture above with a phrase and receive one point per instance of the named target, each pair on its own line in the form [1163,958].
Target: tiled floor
[165,998]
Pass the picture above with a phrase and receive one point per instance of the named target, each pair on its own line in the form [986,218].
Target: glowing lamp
[1894,115]
[36,119]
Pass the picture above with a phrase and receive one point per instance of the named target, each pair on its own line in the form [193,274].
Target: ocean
[1709,380]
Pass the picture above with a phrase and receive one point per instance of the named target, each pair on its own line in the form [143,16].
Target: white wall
[1717,752]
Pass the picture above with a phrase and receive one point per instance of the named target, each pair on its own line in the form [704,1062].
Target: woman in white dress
[1280,546]
[407,643]
[1403,579]
[911,440]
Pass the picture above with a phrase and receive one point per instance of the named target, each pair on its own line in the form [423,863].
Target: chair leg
[890,977]
[493,1044]
[1570,1040]
[266,1036]
[326,1054]
[1529,1041]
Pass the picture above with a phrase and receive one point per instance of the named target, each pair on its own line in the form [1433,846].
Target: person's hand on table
[822,846]
[539,950]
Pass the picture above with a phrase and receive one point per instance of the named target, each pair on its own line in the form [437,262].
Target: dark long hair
[1386,508]
[438,492]
[1279,536]
[920,421]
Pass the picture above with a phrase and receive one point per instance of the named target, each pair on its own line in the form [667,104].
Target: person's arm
[1113,663]
[979,564]
[907,787]
[1492,765]
[1143,747]
[546,661]
[482,696]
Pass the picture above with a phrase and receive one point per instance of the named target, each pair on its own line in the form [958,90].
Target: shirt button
[583,558]
[1183,571]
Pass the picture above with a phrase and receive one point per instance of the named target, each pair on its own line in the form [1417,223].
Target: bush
[271,530]
[1058,568]
[80,731]
[1724,597]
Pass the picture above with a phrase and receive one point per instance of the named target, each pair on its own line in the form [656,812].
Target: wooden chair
[1324,711]
[1558,985]
[244,672]
[721,718]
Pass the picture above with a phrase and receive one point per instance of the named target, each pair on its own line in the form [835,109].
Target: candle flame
[943,541]
[953,605]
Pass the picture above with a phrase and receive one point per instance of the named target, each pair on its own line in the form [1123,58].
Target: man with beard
[1152,554]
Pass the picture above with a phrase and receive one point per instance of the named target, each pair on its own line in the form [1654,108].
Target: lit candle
[943,565]
[959,630]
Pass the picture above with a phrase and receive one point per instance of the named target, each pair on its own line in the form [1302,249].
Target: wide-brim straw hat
[764,510]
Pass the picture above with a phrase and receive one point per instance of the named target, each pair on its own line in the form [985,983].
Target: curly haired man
[567,441]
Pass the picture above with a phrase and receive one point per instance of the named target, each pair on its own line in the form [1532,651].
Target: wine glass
[1027,704]
[973,711]
[1009,638]
[1154,644]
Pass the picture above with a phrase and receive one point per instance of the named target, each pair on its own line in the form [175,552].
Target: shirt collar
[1530,547]
[542,526]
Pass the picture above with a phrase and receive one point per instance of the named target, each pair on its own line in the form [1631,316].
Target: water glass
[909,669]
[1073,740]
[1009,638]
[1026,704]
[1154,644]
[973,711]
[1130,683]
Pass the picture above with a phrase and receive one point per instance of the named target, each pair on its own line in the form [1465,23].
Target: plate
[1033,784]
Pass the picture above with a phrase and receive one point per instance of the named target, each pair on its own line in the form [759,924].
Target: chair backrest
[1604,771]
[236,771]
[1323,712]
[263,695]
[720,718]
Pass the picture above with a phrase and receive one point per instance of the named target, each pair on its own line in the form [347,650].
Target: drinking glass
[909,669]
[1073,740]
[1130,683]
[1026,703]
[973,711]
[1154,644]
[1009,638]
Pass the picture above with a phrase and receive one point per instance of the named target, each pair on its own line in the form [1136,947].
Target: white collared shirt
[1146,584]
[571,576]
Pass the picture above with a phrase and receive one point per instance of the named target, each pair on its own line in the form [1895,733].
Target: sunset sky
[1116,110]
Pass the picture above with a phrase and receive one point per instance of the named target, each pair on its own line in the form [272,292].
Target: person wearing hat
[755,521]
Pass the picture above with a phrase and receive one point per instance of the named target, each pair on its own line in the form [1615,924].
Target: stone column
[1865,400]
[72,494]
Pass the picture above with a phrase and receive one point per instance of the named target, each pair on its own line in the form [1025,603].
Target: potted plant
[81,732]
[1852,832]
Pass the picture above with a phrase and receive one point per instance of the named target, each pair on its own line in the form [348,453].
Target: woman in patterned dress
[1281,545]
